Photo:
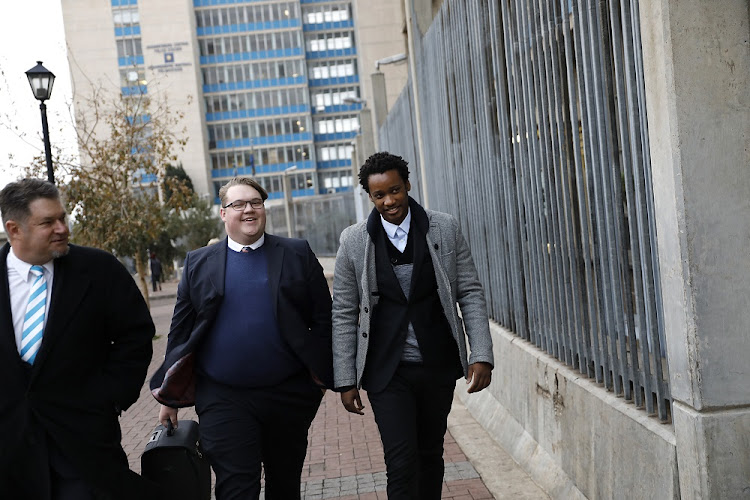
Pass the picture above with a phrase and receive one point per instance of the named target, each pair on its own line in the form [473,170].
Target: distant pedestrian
[155,272]
[75,344]
[396,330]
[250,347]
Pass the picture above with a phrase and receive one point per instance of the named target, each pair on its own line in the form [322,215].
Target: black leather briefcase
[174,460]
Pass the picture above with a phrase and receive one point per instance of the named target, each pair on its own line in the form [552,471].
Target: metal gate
[535,137]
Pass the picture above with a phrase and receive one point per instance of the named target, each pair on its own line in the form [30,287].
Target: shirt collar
[390,229]
[237,247]
[24,268]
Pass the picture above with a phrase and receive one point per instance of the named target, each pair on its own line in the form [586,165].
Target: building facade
[267,88]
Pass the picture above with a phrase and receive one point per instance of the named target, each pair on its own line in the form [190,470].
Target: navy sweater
[244,347]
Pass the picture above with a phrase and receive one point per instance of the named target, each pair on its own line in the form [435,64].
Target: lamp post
[41,81]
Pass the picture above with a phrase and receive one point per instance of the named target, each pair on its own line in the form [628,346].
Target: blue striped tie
[33,321]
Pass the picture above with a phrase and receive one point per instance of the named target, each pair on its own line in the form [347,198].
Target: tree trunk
[140,267]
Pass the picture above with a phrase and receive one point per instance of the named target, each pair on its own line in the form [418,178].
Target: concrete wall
[697,70]
[574,438]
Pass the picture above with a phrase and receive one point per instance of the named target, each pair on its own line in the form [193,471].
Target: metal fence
[535,136]
[318,219]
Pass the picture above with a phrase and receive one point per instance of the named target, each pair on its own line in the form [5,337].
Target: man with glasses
[250,347]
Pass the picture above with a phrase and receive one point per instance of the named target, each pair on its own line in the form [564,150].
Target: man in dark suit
[250,346]
[75,344]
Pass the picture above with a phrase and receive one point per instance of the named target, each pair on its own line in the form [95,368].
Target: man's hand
[351,401]
[168,413]
[480,376]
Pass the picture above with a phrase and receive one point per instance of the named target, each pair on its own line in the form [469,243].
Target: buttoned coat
[355,295]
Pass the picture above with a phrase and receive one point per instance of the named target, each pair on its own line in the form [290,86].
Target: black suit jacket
[91,365]
[302,306]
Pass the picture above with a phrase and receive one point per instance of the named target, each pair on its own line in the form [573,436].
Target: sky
[31,31]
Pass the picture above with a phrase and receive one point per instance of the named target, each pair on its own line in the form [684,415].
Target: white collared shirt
[20,279]
[233,245]
[398,234]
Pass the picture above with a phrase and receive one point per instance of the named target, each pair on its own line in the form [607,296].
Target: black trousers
[242,428]
[412,416]
[41,471]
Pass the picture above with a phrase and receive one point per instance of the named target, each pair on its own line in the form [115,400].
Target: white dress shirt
[233,245]
[398,234]
[20,280]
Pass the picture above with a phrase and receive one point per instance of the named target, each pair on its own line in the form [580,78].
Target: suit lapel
[217,265]
[275,259]
[7,337]
[69,287]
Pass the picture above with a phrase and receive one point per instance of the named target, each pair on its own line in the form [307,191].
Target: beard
[62,253]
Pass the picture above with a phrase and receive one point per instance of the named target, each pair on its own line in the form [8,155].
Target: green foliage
[178,173]
[196,225]
[115,194]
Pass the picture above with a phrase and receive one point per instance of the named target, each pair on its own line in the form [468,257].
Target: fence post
[697,73]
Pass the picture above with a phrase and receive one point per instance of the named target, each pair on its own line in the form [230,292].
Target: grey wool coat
[355,296]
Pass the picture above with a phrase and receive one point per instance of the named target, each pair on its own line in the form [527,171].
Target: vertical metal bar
[656,331]
[586,199]
[623,99]
[552,127]
[512,56]
[502,78]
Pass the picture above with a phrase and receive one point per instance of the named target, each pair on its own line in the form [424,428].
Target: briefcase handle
[170,427]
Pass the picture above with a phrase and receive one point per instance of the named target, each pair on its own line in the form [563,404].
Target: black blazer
[91,365]
[302,307]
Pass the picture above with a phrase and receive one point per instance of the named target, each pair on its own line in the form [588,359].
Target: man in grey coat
[396,329]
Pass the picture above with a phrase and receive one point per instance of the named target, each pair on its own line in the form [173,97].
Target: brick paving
[344,457]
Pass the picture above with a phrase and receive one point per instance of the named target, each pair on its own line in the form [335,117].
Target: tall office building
[265,86]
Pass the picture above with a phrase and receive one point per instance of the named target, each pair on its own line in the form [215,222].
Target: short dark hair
[239,181]
[380,163]
[16,197]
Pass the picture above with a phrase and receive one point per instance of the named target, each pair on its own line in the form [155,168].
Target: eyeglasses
[240,205]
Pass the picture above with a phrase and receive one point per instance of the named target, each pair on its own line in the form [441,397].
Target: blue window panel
[260,141]
[328,26]
[248,27]
[331,53]
[130,61]
[247,56]
[260,169]
[119,3]
[148,178]
[335,190]
[128,31]
[314,1]
[134,90]
[342,80]
[141,119]
[338,108]
[335,136]
[296,193]
[334,164]
[257,112]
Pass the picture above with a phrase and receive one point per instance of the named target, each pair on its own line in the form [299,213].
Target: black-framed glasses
[240,205]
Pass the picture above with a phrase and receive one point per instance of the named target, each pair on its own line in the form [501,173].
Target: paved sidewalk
[345,456]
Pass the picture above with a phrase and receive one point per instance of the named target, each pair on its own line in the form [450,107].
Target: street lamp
[41,81]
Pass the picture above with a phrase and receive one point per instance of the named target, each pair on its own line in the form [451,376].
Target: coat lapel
[69,287]
[7,335]
[275,259]
[217,265]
